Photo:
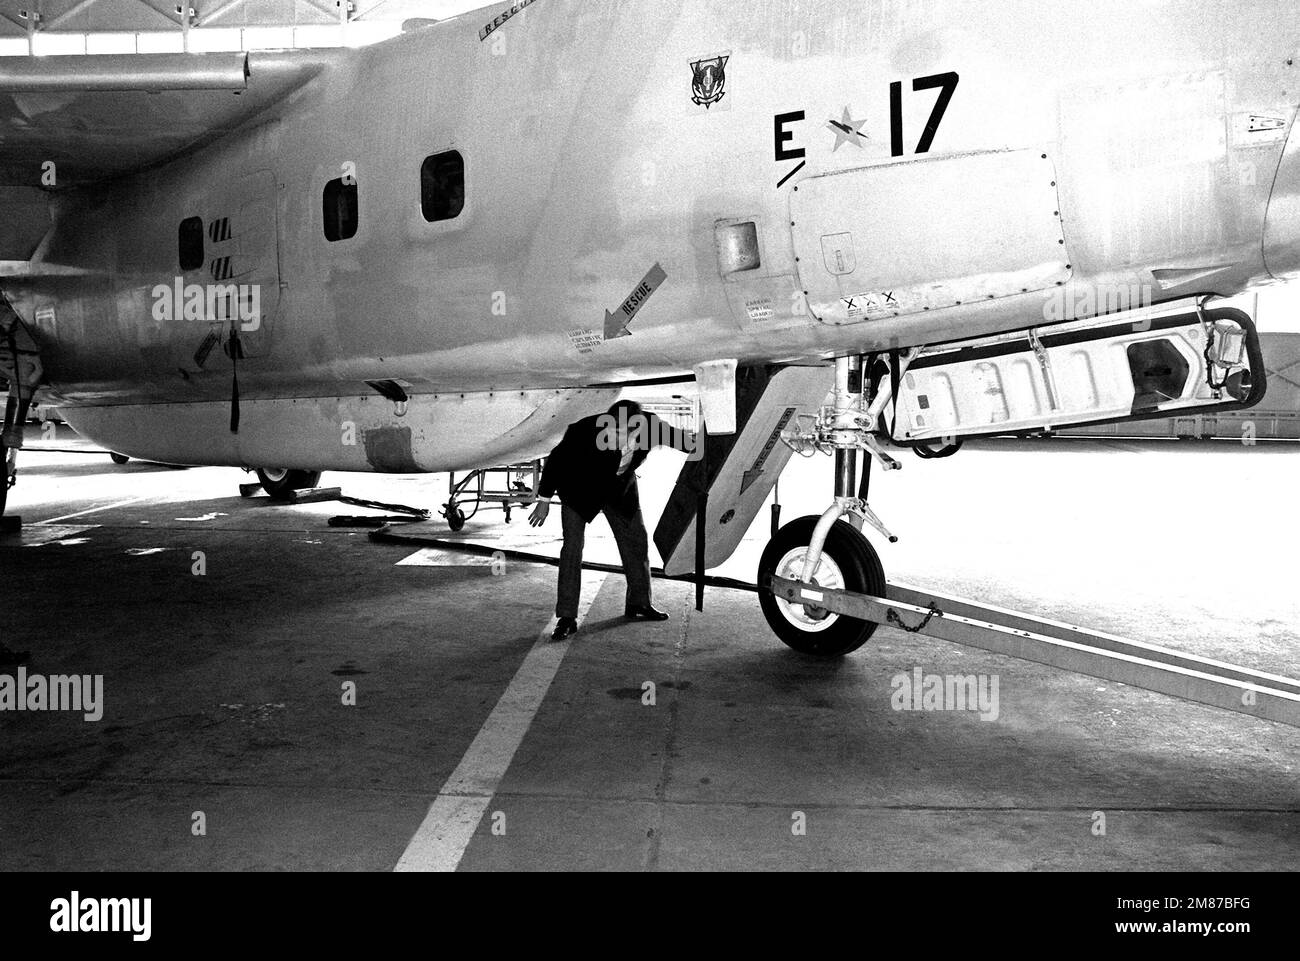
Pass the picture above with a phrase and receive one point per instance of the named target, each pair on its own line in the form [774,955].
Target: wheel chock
[315,496]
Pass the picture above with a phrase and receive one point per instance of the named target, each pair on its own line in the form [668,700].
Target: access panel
[901,238]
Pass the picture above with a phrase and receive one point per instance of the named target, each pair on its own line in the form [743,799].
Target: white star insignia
[847,130]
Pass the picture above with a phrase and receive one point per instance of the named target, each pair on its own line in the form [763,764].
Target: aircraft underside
[1185,357]
[849,255]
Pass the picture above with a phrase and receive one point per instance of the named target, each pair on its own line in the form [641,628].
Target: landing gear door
[1100,371]
[740,469]
[903,238]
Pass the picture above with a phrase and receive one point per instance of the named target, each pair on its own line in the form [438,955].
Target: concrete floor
[223,692]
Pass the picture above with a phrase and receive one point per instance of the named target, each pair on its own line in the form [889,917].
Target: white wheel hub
[828,574]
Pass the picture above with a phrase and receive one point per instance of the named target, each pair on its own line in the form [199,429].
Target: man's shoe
[644,614]
[565,628]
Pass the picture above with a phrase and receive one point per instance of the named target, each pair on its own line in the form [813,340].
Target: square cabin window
[442,186]
[340,207]
[191,243]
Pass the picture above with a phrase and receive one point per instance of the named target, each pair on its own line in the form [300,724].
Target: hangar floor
[474,746]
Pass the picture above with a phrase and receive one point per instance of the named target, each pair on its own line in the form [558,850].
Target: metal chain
[893,618]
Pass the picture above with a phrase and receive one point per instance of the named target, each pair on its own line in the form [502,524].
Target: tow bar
[1269,697]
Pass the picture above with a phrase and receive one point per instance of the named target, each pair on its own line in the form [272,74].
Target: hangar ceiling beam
[166,15]
[98,16]
[68,14]
[221,11]
[361,14]
[331,12]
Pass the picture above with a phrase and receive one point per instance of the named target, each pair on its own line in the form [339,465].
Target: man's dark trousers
[628,525]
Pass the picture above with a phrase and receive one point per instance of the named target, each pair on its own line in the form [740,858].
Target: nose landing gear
[830,551]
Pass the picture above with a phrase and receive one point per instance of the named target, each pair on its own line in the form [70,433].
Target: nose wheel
[830,551]
[848,563]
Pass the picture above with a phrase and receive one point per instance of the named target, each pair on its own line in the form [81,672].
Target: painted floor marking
[432,557]
[454,816]
[93,510]
[37,536]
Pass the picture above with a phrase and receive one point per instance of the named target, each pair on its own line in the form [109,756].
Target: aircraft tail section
[738,470]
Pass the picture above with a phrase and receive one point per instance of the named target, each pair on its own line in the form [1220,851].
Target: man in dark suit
[594,471]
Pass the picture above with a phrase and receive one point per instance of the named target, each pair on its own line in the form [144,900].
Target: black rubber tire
[119,459]
[456,520]
[280,484]
[862,572]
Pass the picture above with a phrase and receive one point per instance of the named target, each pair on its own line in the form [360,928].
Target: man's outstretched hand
[540,511]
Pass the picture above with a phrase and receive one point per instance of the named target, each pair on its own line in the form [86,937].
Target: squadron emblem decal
[710,80]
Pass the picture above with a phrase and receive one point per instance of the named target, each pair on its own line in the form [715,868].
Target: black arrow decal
[616,322]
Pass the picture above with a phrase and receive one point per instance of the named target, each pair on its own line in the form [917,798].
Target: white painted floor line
[432,557]
[93,510]
[35,536]
[454,816]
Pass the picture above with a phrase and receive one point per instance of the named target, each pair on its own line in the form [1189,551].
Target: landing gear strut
[830,551]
